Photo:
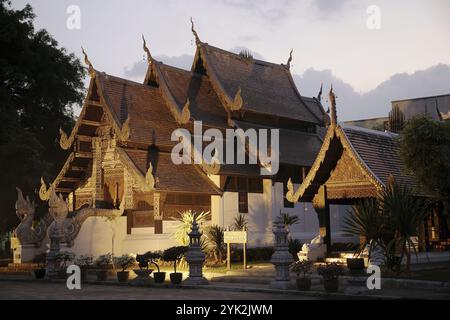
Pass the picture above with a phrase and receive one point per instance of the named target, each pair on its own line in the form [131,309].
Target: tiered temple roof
[223,90]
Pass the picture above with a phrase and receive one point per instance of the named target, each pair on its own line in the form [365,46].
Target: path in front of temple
[13,290]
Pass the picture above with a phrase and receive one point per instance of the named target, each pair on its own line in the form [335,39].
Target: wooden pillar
[322,207]
[157,214]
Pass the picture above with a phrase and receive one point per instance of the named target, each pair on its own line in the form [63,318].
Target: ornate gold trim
[64,141]
[91,69]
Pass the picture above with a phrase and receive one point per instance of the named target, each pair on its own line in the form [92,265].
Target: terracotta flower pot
[176,278]
[303,284]
[122,276]
[102,275]
[331,285]
[159,277]
[39,273]
[355,265]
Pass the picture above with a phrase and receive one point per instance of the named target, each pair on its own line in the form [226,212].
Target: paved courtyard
[59,291]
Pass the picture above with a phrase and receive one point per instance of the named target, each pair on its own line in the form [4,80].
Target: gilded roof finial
[91,69]
[288,64]
[333,115]
[149,55]
[319,96]
[197,39]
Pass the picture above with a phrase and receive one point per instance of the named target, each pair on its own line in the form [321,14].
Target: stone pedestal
[195,258]
[52,264]
[281,258]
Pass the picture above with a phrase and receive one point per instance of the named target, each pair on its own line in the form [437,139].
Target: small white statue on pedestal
[314,250]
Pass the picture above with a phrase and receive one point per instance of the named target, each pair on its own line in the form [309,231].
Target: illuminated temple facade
[119,163]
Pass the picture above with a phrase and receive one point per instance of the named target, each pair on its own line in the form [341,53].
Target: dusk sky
[408,56]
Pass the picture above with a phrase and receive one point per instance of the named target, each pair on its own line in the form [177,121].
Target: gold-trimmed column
[157,213]
[97,174]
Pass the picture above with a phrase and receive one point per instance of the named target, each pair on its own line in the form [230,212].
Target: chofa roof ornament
[147,51]
[288,64]
[333,114]
[197,39]
[319,95]
[91,69]
[44,192]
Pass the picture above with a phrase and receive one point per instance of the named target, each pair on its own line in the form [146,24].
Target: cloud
[269,10]
[139,68]
[352,105]
[325,8]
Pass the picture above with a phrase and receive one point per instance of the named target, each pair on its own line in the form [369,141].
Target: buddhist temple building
[353,164]
[119,153]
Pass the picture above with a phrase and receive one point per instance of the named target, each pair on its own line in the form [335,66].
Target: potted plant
[175,254]
[143,273]
[330,273]
[159,276]
[103,262]
[84,262]
[355,265]
[302,268]
[62,258]
[125,261]
[40,260]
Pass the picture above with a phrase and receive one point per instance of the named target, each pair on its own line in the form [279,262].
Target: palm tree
[366,221]
[404,213]
[240,222]
[186,218]
[215,239]
[288,220]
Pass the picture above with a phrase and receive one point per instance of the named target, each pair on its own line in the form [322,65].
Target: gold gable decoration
[64,141]
[44,192]
[125,131]
[238,101]
[185,113]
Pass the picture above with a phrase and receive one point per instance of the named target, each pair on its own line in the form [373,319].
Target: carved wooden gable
[348,179]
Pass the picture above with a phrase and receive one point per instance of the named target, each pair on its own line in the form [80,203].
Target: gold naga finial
[44,193]
[91,69]
[185,113]
[149,179]
[288,64]
[125,131]
[64,141]
[238,101]
[149,55]
[333,114]
[197,39]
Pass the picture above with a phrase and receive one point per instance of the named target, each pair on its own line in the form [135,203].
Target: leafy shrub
[104,260]
[84,261]
[215,242]
[294,247]
[63,257]
[330,271]
[174,254]
[302,267]
[125,261]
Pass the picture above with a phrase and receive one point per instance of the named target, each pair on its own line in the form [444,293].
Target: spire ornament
[147,51]
[91,69]
[288,64]
[197,39]
[319,96]
[333,115]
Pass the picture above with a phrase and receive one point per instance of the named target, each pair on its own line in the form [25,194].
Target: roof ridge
[236,55]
